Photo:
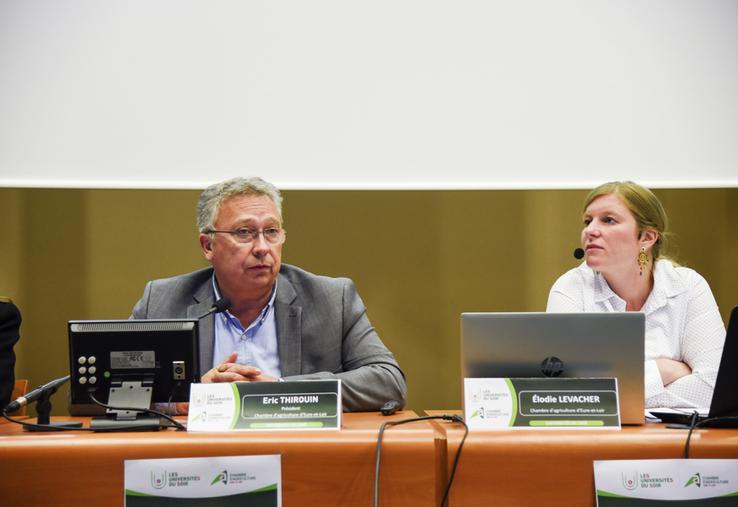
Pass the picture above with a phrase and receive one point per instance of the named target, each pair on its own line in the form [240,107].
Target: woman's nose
[591,230]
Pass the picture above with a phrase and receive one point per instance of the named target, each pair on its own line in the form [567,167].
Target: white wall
[372,94]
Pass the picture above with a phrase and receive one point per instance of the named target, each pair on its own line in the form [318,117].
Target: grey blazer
[322,331]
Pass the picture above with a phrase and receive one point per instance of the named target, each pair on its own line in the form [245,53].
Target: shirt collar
[262,316]
[602,291]
[666,284]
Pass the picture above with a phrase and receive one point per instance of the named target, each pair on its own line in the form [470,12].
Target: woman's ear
[648,238]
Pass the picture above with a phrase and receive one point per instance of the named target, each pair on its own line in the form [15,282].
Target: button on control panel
[86,373]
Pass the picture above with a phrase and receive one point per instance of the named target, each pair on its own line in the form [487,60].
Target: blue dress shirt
[256,345]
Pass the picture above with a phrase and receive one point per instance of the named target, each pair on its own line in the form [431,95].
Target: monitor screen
[133,362]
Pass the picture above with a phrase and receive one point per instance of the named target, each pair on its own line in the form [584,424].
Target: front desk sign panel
[306,404]
[651,482]
[224,481]
[495,403]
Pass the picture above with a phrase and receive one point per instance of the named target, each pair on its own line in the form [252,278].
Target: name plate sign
[496,403]
[224,481]
[664,482]
[292,405]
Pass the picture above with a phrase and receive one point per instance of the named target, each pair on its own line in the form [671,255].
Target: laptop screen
[559,344]
[725,396]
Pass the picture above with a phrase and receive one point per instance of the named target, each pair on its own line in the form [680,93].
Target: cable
[43,427]
[692,426]
[378,452]
[171,395]
[455,418]
[46,427]
[724,421]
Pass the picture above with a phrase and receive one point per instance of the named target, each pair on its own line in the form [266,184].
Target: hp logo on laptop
[552,366]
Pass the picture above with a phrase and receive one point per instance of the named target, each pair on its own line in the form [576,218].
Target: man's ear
[206,244]
[648,238]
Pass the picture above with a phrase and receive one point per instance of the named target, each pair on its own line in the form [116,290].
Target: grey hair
[213,196]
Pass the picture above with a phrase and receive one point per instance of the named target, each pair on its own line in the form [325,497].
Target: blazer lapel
[289,328]
[203,302]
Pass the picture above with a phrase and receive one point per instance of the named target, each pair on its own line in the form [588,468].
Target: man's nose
[260,246]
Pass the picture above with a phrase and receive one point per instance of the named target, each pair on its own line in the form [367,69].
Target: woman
[624,240]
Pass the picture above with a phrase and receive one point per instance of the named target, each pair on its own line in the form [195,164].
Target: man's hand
[230,371]
[672,370]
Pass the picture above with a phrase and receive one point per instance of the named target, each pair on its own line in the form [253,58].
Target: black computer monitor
[132,364]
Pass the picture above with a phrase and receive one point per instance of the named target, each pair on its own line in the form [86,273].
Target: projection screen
[382,94]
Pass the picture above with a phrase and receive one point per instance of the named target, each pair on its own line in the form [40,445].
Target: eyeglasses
[272,235]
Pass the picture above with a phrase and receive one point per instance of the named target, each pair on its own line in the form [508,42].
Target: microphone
[578,253]
[219,306]
[34,395]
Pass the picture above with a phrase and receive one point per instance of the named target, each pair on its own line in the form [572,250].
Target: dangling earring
[642,259]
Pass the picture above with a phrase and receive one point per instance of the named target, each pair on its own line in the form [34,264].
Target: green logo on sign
[695,479]
[221,477]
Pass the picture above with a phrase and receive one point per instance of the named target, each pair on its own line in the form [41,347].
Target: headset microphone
[578,253]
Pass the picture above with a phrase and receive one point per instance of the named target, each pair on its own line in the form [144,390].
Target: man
[10,321]
[283,322]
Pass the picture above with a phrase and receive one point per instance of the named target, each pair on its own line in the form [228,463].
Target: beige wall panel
[419,259]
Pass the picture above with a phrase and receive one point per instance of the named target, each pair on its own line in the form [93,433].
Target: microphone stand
[43,419]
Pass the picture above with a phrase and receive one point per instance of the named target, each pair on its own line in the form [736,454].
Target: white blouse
[682,323]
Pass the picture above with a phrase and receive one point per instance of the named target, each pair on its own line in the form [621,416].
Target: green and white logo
[221,477]
[695,479]
[225,481]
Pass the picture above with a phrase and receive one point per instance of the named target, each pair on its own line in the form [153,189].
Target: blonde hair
[646,208]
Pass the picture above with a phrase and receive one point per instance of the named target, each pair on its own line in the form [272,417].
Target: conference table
[508,468]
[319,468]
[524,467]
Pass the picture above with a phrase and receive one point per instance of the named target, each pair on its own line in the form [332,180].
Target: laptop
[725,395]
[559,345]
